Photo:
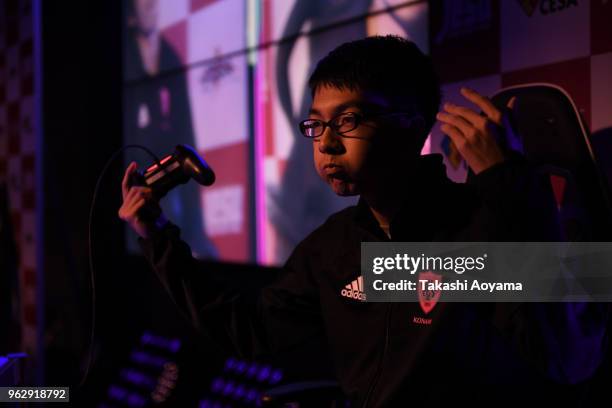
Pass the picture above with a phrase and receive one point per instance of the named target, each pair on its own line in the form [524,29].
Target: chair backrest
[553,136]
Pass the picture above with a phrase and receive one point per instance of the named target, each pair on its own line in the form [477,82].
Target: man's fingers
[130,194]
[137,193]
[455,135]
[483,103]
[143,192]
[129,209]
[512,103]
[469,114]
[125,182]
[457,121]
[137,205]
[126,176]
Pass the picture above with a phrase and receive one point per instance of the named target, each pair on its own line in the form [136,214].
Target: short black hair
[390,65]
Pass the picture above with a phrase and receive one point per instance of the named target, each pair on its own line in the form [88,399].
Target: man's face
[361,159]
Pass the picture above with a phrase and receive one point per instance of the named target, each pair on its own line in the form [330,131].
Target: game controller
[177,168]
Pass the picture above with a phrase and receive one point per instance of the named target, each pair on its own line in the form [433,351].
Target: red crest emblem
[428,298]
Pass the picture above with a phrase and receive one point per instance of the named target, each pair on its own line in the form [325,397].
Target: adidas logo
[354,290]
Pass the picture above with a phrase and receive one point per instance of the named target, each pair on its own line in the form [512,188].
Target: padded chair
[553,135]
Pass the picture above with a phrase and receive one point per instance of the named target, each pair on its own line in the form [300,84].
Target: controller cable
[110,161]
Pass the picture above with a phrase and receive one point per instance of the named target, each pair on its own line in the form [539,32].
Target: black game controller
[177,168]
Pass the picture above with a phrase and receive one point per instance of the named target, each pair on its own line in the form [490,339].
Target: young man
[374,102]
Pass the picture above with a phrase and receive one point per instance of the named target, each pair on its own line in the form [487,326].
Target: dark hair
[390,65]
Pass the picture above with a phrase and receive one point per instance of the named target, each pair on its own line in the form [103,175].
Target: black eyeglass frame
[358,120]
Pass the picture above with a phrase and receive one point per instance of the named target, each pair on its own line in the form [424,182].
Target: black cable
[91,262]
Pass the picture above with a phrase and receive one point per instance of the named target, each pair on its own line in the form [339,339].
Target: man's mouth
[330,169]
[336,173]
[339,179]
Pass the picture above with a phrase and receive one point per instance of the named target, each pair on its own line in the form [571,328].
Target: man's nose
[330,142]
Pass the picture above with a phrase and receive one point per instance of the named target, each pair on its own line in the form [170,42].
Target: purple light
[276,376]
[159,341]
[252,371]
[239,392]
[230,364]
[260,186]
[228,389]
[241,367]
[135,400]
[115,392]
[147,359]
[251,395]
[264,374]
[145,338]
[130,398]
[137,377]
[217,385]
[175,345]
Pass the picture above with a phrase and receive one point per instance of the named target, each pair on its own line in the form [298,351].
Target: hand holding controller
[139,209]
[143,190]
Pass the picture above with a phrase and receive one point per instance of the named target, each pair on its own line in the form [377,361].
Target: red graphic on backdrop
[558,185]
[428,298]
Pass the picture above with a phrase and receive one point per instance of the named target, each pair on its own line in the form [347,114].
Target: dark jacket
[386,354]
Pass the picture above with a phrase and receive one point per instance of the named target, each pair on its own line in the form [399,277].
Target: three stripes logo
[354,290]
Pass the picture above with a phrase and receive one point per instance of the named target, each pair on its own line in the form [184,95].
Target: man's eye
[311,128]
[345,120]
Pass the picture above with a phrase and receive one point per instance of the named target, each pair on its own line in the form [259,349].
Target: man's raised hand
[476,135]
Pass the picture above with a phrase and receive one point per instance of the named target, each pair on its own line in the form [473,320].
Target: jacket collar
[421,212]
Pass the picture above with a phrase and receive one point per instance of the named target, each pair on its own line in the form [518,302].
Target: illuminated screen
[228,77]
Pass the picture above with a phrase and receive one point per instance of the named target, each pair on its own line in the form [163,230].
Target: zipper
[382,358]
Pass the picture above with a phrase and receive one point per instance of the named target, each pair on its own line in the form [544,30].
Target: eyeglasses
[341,124]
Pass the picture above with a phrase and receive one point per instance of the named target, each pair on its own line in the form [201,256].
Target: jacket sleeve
[565,341]
[517,204]
[282,320]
